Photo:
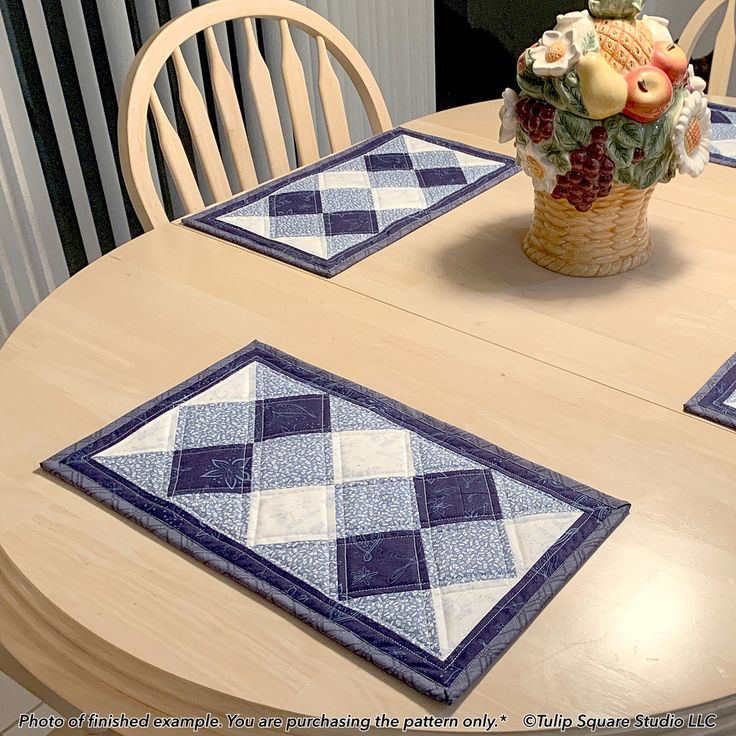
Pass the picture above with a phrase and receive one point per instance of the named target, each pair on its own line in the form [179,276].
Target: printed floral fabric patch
[341,209]
[418,546]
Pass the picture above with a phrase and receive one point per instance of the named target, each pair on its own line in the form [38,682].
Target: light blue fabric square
[386,218]
[312,561]
[353,164]
[473,173]
[339,243]
[444,159]
[304,184]
[376,505]
[150,471]
[345,416]
[292,461]
[296,225]
[429,457]
[518,499]
[272,384]
[410,613]
[437,194]
[209,425]
[259,208]
[466,552]
[346,199]
[224,512]
[395,145]
[404,178]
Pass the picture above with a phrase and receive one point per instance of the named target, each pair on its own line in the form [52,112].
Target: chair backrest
[723,53]
[139,96]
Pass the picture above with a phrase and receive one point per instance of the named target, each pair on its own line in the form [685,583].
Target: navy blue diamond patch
[389,562]
[292,415]
[222,469]
[465,495]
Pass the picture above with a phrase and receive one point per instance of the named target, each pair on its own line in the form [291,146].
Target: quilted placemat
[723,146]
[717,399]
[335,212]
[418,546]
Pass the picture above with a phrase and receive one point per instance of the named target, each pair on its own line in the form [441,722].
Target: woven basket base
[611,238]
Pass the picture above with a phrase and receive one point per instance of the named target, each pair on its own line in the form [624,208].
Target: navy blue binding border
[708,402]
[717,157]
[444,680]
[207,221]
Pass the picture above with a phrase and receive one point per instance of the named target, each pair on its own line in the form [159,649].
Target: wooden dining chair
[139,96]
[723,52]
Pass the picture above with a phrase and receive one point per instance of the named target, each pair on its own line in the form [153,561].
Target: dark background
[475,63]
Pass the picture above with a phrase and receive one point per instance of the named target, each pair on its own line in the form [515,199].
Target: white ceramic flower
[537,166]
[508,116]
[691,136]
[582,26]
[659,27]
[556,54]
[694,83]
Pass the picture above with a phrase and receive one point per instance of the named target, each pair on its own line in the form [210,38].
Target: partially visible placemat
[717,399]
[332,214]
[416,545]
[723,146]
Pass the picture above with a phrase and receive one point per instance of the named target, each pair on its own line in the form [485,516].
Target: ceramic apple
[650,93]
[671,59]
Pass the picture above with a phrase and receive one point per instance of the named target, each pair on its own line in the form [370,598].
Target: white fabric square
[314,244]
[158,435]
[418,145]
[459,608]
[725,147]
[257,225]
[731,401]
[531,536]
[344,180]
[291,515]
[238,387]
[399,198]
[384,453]
[465,159]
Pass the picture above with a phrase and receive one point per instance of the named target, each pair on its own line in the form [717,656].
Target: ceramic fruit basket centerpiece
[608,109]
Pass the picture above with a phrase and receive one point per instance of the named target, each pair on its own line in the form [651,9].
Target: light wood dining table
[587,377]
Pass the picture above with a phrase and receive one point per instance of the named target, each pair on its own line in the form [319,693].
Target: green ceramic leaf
[644,174]
[631,133]
[557,156]
[590,42]
[657,136]
[621,154]
[571,131]
[522,137]
[568,90]
[531,84]
[615,8]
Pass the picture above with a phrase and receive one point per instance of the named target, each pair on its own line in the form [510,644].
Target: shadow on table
[490,260]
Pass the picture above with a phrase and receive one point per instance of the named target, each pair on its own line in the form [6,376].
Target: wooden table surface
[585,376]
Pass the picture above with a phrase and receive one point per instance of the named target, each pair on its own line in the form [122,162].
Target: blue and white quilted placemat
[717,399]
[335,212]
[420,547]
[723,146]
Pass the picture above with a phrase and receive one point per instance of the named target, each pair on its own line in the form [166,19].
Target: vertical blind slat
[62,127]
[16,25]
[108,94]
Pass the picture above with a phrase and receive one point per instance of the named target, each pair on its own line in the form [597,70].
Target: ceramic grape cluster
[607,98]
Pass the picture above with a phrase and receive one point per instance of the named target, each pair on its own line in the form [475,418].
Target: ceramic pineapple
[609,108]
